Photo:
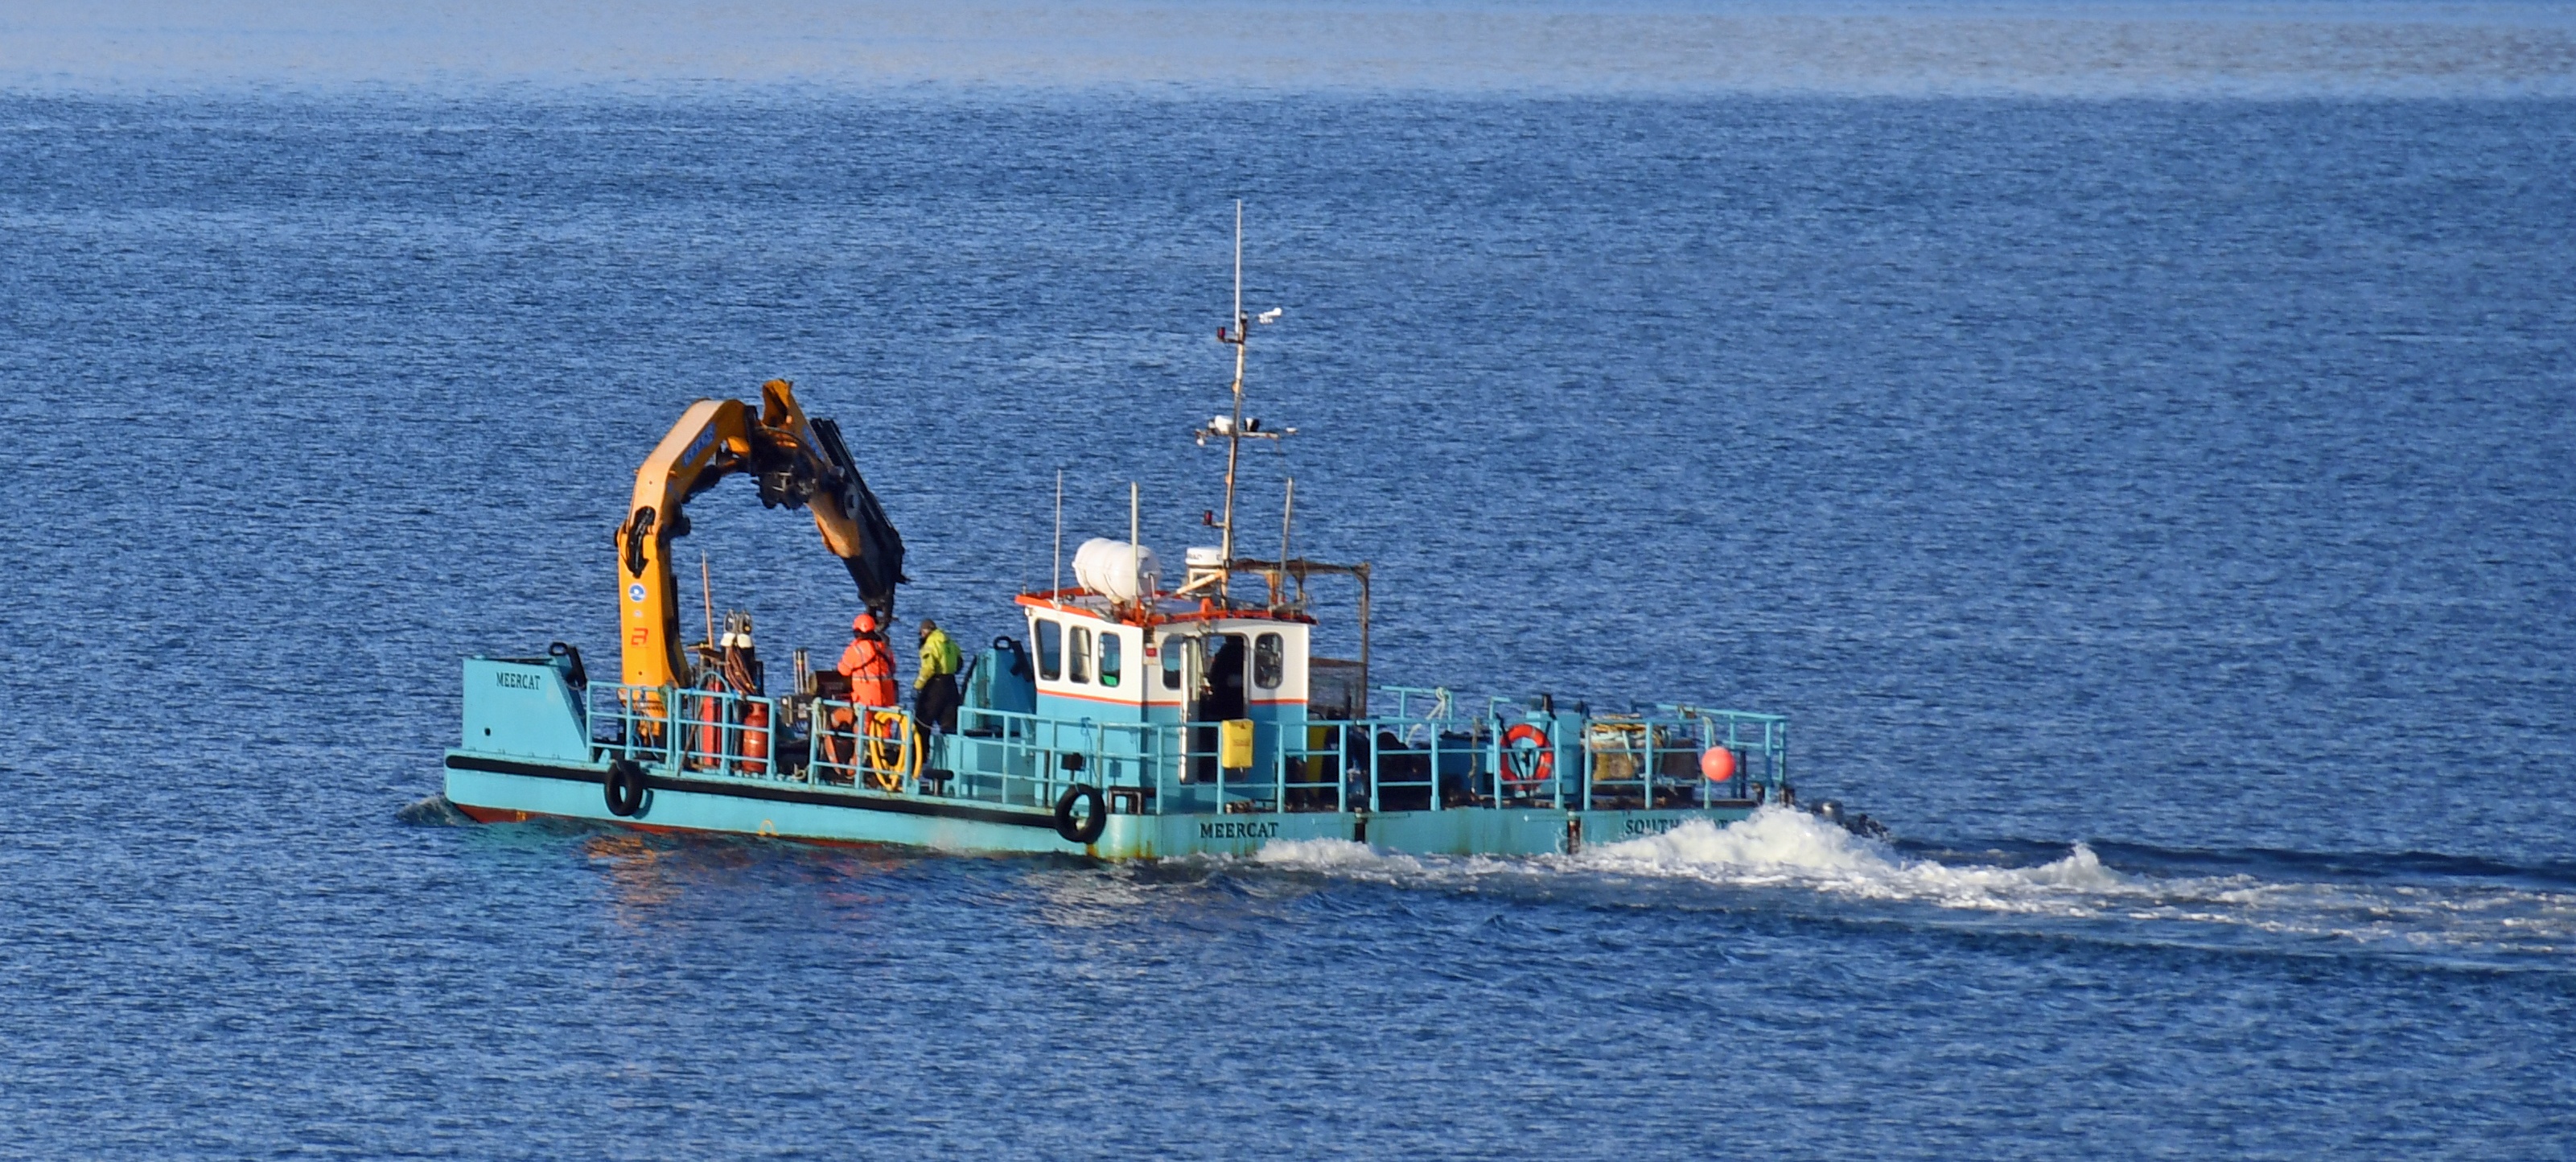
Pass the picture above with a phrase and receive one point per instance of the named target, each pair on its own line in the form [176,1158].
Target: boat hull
[497,789]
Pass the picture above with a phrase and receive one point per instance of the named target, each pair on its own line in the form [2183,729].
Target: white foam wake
[1339,856]
[1777,845]
[1787,849]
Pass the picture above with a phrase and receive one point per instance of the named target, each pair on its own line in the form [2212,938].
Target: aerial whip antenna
[707,593]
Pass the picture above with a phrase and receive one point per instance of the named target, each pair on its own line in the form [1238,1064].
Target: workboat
[1128,719]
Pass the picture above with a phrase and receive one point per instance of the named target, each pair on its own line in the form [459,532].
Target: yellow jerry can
[1234,744]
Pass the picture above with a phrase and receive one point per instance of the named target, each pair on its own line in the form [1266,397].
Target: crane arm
[799,463]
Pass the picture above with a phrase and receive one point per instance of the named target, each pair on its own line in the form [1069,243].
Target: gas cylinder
[709,709]
[755,736]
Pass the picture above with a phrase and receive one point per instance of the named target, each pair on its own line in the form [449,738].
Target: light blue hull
[755,807]
[691,762]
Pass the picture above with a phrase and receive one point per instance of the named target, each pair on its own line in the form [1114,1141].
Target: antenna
[1287,514]
[1134,506]
[707,593]
[1059,534]
[1238,278]
[1234,430]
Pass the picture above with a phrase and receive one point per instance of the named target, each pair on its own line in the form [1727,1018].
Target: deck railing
[1429,755]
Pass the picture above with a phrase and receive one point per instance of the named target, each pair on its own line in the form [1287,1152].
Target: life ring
[1093,823]
[1528,758]
[624,789]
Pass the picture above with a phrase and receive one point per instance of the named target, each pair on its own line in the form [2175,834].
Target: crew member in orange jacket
[868,664]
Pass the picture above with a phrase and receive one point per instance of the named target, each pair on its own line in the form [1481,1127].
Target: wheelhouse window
[1269,661]
[1172,647]
[1050,650]
[1109,660]
[1081,654]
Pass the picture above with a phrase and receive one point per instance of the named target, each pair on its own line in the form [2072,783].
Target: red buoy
[1718,763]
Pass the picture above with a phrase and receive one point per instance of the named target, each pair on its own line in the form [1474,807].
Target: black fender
[624,789]
[1088,830]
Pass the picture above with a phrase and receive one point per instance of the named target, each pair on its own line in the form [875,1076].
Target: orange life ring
[1525,767]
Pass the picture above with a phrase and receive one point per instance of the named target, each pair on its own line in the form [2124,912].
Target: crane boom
[798,463]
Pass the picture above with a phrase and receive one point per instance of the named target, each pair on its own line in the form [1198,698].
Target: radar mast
[1233,427]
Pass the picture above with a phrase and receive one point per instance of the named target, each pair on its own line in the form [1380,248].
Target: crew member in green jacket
[934,690]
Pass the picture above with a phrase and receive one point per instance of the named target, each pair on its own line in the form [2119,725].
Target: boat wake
[1779,846]
[1781,858]
[434,811]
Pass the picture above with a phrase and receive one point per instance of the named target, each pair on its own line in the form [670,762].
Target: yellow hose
[889,773]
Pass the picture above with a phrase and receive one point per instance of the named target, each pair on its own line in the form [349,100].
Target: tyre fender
[1087,830]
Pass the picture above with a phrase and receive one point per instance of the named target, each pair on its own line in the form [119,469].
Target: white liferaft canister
[1115,569]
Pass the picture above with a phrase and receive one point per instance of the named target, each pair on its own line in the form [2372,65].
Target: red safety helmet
[864,623]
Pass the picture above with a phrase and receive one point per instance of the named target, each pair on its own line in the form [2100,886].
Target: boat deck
[1434,776]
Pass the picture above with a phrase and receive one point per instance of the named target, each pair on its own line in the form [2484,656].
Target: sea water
[2158,508]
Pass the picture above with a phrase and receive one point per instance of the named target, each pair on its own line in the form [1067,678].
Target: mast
[1233,431]
[1233,426]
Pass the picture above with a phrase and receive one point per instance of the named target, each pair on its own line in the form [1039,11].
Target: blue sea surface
[2161,512]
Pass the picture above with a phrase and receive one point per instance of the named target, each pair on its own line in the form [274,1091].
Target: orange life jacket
[870,668]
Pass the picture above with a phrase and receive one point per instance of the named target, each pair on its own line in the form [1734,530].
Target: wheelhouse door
[1212,675]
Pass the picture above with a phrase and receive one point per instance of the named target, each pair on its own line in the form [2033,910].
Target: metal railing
[720,733]
[1513,757]
[1428,756]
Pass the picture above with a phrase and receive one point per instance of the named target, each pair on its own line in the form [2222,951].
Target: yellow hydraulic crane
[799,463]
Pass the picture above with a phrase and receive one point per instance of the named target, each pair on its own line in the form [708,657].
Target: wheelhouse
[1167,661]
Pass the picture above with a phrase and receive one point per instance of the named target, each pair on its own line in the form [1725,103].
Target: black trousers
[935,704]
